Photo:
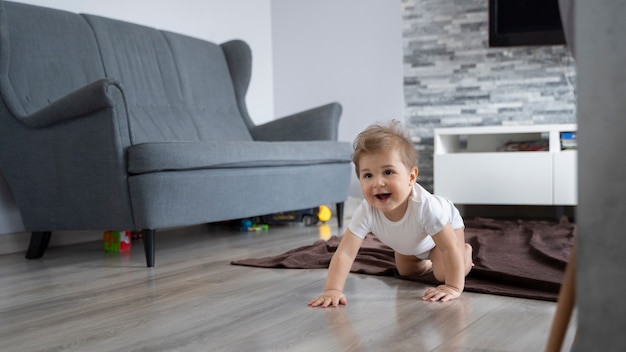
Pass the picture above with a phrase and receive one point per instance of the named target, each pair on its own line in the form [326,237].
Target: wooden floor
[78,298]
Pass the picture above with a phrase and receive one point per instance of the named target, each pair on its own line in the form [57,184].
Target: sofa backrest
[44,55]
[176,87]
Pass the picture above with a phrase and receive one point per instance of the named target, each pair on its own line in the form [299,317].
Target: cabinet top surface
[506,129]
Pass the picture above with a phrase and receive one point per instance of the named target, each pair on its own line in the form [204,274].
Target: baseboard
[18,242]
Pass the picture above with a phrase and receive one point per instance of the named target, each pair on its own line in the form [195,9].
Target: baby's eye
[367,175]
[388,172]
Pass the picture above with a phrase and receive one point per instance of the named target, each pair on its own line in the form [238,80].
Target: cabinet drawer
[495,178]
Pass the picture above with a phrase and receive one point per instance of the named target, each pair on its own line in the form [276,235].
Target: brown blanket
[520,258]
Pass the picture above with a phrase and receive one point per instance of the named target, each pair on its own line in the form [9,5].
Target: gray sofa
[111,125]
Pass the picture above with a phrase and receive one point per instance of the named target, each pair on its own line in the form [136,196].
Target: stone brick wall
[452,78]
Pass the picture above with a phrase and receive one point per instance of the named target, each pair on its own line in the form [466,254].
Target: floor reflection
[342,329]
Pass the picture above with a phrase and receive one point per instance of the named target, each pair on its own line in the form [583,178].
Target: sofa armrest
[317,124]
[59,160]
[84,101]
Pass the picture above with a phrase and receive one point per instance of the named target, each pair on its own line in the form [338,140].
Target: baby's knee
[403,271]
[423,269]
[414,269]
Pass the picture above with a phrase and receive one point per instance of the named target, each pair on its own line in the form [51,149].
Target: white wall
[348,51]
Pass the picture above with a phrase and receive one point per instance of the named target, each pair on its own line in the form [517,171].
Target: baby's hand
[441,293]
[329,297]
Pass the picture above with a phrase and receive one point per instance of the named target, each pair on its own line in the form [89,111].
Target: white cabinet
[469,167]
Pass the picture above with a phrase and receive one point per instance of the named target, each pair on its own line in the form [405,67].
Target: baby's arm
[338,272]
[452,256]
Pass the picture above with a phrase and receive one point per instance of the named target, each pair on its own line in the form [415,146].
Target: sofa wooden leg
[340,214]
[148,246]
[38,244]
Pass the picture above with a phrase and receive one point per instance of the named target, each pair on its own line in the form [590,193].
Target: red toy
[117,241]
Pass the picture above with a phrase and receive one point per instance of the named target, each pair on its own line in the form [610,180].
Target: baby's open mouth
[383,196]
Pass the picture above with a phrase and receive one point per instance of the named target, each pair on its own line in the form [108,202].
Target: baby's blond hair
[381,137]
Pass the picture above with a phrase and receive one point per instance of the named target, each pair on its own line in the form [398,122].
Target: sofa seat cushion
[170,156]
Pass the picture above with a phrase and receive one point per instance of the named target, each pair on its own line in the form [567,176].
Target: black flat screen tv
[524,23]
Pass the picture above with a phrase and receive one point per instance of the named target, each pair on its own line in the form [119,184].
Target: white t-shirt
[425,216]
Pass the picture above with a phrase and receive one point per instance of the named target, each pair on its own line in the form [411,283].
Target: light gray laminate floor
[78,298]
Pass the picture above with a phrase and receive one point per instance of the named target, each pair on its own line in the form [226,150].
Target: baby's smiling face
[386,182]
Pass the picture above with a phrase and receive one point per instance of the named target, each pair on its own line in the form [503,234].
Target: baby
[425,231]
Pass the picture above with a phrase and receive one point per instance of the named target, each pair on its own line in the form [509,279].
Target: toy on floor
[249,226]
[116,241]
[324,214]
